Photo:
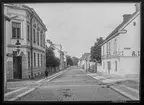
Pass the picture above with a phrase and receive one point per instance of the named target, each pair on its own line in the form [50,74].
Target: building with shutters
[27,28]
[121,49]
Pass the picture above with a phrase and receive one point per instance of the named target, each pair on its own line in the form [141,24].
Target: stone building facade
[27,28]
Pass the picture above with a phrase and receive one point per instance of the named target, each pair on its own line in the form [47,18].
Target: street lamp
[18,44]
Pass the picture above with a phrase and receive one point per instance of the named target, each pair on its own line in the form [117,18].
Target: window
[115,65]
[28,32]
[115,45]
[134,23]
[16,27]
[34,60]
[34,35]
[38,60]
[38,37]
[103,50]
[41,59]
[28,59]
[109,47]
[103,64]
[41,39]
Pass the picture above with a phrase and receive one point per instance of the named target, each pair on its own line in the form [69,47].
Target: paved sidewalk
[128,87]
[25,87]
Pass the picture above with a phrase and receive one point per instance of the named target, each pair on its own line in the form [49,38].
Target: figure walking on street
[46,73]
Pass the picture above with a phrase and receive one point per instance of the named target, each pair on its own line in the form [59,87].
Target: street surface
[73,85]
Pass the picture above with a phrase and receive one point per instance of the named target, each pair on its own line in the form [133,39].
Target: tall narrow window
[28,59]
[34,35]
[16,30]
[41,59]
[116,46]
[38,60]
[109,48]
[115,65]
[103,50]
[38,37]
[34,60]
[44,40]
[41,39]
[28,33]
[103,64]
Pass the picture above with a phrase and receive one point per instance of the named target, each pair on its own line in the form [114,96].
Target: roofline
[127,23]
[30,10]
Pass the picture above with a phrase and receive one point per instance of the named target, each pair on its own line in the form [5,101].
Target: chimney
[126,17]
[137,6]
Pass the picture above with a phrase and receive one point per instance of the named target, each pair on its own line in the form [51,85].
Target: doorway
[17,67]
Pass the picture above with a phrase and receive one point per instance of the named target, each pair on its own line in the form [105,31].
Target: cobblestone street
[73,85]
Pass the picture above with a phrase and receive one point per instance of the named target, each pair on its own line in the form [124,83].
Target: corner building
[27,28]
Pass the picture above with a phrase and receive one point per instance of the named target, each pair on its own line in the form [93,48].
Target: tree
[75,60]
[69,60]
[51,60]
[96,50]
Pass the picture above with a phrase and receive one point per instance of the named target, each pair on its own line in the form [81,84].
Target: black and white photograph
[72,51]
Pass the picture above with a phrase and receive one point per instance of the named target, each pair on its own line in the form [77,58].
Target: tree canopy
[75,60]
[69,60]
[96,50]
[51,59]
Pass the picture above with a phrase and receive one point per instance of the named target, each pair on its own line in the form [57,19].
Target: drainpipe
[31,48]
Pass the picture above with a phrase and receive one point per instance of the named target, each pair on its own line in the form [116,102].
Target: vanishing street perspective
[71,52]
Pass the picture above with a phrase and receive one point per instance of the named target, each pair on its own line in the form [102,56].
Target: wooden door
[17,65]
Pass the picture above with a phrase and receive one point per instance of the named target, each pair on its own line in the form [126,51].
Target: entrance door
[109,66]
[17,65]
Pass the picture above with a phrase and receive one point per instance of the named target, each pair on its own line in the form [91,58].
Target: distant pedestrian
[46,73]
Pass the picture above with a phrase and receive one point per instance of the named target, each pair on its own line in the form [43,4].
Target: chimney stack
[137,6]
[126,17]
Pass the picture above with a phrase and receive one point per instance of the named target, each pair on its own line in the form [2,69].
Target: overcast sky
[77,25]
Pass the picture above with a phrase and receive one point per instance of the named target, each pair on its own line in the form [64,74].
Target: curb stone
[120,91]
[124,93]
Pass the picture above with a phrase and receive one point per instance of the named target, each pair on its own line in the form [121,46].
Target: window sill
[18,38]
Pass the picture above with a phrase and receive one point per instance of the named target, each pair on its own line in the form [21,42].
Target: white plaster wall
[130,65]
[132,38]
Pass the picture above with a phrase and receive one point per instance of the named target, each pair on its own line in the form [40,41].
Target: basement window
[134,23]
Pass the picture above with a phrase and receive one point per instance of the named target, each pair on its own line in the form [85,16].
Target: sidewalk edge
[30,90]
[124,93]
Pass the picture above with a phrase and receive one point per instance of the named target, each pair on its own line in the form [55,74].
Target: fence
[52,70]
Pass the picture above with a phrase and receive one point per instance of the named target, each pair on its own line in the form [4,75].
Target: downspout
[31,48]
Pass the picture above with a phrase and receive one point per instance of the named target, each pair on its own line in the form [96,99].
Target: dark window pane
[41,59]
[18,33]
[28,33]
[38,60]
[34,35]
[13,32]
[38,37]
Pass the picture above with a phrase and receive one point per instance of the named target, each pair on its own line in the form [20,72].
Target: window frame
[16,29]
[28,59]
